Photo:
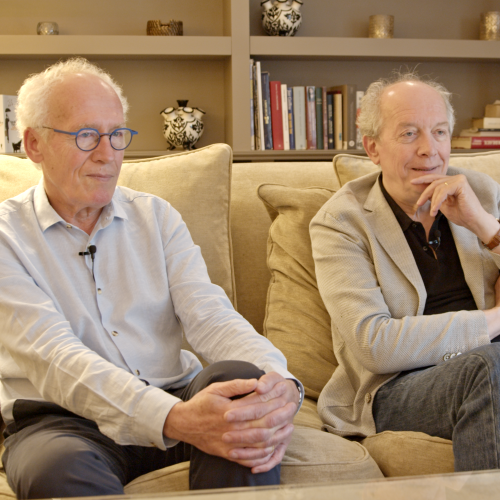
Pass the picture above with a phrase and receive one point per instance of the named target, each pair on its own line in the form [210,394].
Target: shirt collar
[402,217]
[48,217]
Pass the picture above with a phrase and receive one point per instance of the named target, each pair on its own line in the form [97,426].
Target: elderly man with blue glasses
[95,281]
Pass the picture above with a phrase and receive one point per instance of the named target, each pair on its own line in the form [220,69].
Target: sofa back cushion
[196,183]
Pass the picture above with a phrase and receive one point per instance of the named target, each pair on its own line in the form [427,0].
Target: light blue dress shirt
[90,345]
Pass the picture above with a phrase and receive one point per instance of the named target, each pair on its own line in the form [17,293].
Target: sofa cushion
[410,453]
[196,183]
[296,320]
[349,167]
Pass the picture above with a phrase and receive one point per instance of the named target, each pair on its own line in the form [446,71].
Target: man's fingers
[236,387]
[259,437]
[275,459]
[255,411]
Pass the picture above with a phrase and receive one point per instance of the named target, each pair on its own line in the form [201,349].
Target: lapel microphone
[91,250]
[437,241]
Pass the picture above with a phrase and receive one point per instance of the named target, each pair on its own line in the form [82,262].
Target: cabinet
[209,64]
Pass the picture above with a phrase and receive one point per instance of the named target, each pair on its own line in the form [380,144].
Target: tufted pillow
[197,184]
[296,320]
[350,167]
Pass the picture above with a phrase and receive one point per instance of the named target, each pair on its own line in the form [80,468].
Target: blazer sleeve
[374,307]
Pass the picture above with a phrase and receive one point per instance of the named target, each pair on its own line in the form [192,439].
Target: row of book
[301,117]
[484,132]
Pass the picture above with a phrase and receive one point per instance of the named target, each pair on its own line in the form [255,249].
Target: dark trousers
[458,400]
[51,452]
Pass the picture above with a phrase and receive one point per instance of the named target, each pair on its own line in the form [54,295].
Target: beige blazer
[374,293]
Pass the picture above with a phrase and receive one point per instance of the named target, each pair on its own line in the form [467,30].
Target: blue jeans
[51,452]
[458,400]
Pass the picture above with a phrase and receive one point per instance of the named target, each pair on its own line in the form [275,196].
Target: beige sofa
[267,271]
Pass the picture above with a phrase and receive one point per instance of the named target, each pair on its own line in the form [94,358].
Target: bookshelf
[209,64]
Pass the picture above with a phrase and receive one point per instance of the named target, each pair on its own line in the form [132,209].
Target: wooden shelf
[119,47]
[321,48]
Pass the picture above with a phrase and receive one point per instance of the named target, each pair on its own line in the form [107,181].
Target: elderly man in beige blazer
[407,262]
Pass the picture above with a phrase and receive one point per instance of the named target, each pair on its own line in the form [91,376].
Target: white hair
[34,94]
[370,116]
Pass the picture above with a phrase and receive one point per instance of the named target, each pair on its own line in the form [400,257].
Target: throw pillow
[198,185]
[296,320]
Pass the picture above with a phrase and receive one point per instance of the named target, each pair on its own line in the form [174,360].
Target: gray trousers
[51,452]
[458,400]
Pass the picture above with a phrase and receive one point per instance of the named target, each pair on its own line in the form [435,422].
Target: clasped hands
[253,430]
[458,202]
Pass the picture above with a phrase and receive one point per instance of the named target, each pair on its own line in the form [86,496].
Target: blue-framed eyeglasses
[88,139]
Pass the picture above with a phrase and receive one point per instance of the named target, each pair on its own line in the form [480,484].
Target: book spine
[350,116]
[311,117]
[252,111]
[359,138]
[284,117]
[259,107]
[319,118]
[299,106]
[485,142]
[486,122]
[329,120]
[337,120]
[266,108]
[276,114]
[325,118]
[291,120]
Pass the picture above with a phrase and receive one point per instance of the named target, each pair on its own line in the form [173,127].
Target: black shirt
[440,269]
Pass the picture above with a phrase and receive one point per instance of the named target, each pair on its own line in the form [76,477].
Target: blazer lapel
[391,237]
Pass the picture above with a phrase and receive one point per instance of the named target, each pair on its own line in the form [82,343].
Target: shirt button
[368,398]
[99,291]
[115,333]
[425,249]
[452,355]
[69,226]
[459,353]
[413,225]
[446,357]
[137,372]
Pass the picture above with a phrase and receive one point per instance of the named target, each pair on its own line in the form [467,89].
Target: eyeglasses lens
[88,139]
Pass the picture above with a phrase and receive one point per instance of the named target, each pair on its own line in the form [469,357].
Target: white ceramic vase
[183,125]
[281,17]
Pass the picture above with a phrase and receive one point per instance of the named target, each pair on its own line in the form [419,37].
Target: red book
[475,142]
[276,114]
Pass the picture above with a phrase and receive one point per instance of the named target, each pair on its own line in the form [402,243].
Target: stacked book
[485,132]
[301,117]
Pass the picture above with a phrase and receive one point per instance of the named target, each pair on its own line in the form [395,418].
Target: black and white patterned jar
[183,125]
[281,17]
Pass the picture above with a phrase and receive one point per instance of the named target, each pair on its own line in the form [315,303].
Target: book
[299,108]
[284,116]
[329,121]
[475,142]
[291,120]
[359,138]
[486,122]
[266,111]
[276,114]
[348,114]
[337,120]
[311,117]
[319,117]
[325,118]
[480,132]
[252,111]
[259,112]
[10,139]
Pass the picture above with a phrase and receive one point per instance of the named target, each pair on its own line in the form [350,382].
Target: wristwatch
[300,388]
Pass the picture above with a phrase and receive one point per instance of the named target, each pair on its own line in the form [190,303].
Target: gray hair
[34,94]
[370,116]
